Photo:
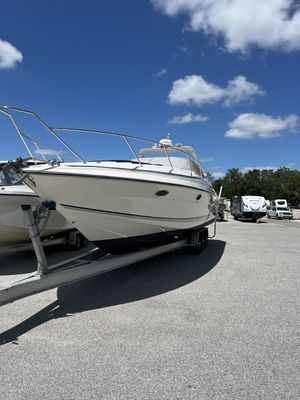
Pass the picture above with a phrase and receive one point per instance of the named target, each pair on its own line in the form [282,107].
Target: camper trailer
[248,207]
[279,209]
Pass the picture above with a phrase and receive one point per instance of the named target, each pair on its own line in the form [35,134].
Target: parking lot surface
[220,325]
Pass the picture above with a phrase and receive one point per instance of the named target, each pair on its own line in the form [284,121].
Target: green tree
[252,183]
[272,184]
[233,183]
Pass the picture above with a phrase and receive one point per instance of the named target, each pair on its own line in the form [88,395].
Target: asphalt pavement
[220,325]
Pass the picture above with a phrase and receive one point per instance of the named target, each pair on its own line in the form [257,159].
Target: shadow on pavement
[24,261]
[21,262]
[136,282]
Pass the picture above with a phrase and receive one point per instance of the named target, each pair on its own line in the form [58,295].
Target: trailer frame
[87,265]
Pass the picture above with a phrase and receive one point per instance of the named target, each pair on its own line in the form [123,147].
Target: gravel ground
[220,325]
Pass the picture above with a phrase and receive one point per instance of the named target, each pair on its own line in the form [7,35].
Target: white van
[279,209]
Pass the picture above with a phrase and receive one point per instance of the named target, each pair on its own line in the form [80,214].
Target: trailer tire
[197,248]
[201,242]
[77,244]
[205,238]
[83,241]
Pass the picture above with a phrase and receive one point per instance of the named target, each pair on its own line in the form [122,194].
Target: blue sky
[222,78]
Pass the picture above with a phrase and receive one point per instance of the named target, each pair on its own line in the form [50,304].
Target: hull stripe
[131,215]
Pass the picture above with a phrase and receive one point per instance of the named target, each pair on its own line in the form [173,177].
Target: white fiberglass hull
[13,228]
[119,208]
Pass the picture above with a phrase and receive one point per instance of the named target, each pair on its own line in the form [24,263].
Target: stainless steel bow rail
[168,149]
[87,265]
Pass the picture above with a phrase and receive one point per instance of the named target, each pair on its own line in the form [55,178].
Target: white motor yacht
[159,195]
[13,228]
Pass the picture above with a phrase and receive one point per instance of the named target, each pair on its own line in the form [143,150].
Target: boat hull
[119,214]
[13,228]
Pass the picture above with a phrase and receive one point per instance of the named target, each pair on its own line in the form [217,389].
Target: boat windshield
[8,179]
[183,158]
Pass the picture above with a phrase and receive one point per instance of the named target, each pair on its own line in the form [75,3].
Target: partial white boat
[12,225]
[160,195]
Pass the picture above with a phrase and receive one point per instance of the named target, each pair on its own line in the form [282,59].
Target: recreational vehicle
[248,207]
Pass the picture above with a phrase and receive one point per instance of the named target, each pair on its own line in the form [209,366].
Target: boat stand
[89,264]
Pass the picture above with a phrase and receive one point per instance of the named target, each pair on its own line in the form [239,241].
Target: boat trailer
[87,265]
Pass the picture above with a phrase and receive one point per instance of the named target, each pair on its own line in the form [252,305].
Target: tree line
[283,183]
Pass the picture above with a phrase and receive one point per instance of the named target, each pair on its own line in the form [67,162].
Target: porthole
[199,197]
[161,193]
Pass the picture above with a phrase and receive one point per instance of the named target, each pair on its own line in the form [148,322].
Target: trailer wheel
[197,248]
[77,244]
[83,241]
[205,237]
[75,240]
[199,241]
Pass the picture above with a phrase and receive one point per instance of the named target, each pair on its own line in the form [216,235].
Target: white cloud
[240,90]
[162,72]
[194,89]
[9,55]
[217,175]
[250,125]
[206,159]
[187,119]
[267,24]
[291,165]
[186,50]
[260,168]
[47,152]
